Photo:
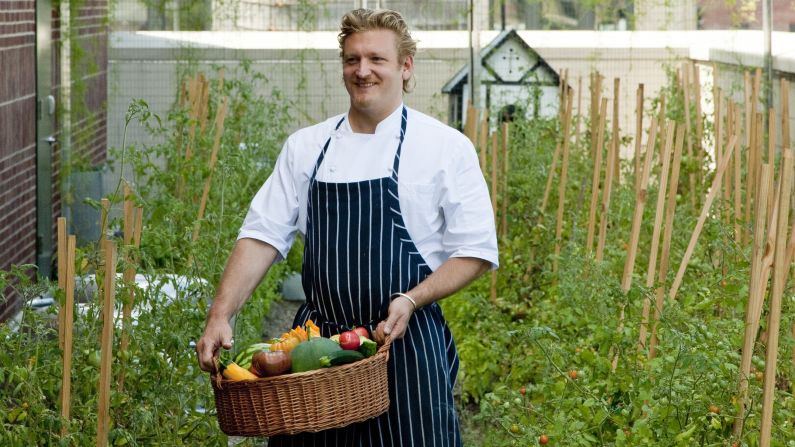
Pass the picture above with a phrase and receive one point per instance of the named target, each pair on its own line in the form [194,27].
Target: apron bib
[357,253]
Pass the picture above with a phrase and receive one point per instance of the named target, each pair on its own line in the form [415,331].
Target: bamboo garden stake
[597,171]
[596,100]
[637,220]
[504,175]
[655,237]
[670,210]
[691,176]
[638,133]
[606,190]
[483,138]
[780,272]
[219,131]
[68,320]
[713,191]
[756,291]
[103,229]
[133,219]
[737,131]
[785,114]
[564,173]
[494,184]
[106,353]
[699,147]
[614,136]
[579,113]
[471,126]
[61,253]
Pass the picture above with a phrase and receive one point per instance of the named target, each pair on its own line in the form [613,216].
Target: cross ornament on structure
[511,58]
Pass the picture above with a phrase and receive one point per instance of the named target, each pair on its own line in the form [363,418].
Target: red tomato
[543,439]
[349,340]
[361,330]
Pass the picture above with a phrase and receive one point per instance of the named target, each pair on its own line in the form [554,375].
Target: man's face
[372,71]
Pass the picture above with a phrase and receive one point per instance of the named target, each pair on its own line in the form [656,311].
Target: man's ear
[408,67]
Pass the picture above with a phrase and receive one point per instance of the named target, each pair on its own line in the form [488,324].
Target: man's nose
[363,69]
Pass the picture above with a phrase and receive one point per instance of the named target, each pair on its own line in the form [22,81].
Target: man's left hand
[400,311]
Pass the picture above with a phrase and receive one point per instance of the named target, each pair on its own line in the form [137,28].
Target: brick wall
[18,118]
[17,136]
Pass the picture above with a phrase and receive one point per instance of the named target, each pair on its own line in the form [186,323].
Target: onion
[270,363]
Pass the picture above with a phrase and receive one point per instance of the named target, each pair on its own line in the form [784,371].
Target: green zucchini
[340,358]
[243,358]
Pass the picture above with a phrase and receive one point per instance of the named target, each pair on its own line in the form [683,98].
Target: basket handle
[215,375]
[386,345]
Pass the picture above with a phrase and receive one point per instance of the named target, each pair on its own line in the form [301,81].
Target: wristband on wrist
[413,303]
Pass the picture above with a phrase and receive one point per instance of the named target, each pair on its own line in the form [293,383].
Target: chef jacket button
[332,169]
[338,134]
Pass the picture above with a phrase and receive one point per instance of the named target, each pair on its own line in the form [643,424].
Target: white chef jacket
[443,196]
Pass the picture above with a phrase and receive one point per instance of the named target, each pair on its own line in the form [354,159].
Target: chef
[395,215]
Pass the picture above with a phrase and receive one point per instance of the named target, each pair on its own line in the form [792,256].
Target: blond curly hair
[360,20]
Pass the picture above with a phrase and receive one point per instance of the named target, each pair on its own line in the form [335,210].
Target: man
[396,215]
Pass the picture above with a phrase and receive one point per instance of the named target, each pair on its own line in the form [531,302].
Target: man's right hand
[217,334]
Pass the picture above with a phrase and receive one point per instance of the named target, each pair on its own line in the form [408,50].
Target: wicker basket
[304,402]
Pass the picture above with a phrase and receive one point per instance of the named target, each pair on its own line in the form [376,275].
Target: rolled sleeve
[469,217]
[273,213]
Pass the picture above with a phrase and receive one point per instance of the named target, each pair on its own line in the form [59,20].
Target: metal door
[45,136]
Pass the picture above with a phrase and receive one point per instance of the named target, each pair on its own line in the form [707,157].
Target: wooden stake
[691,176]
[780,272]
[550,176]
[655,237]
[579,113]
[713,191]
[106,356]
[597,172]
[640,203]
[103,229]
[494,183]
[670,210]
[785,114]
[471,126]
[504,175]
[606,190]
[699,147]
[738,233]
[637,220]
[771,137]
[755,296]
[219,130]
[61,253]
[596,98]
[133,217]
[68,321]
[638,133]
[483,137]
[616,138]
[564,172]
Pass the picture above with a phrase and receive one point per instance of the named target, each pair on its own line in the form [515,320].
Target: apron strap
[323,152]
[396,162]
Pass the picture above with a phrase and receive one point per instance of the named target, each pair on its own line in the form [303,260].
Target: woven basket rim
[383,350]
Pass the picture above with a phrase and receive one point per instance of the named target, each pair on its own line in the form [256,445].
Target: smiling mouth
[365,84]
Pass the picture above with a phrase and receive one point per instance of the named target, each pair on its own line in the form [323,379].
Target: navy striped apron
[357,253]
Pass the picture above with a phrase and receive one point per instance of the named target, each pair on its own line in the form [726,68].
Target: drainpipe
[767,22]
[66,111]
[474,53]
[45,108]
